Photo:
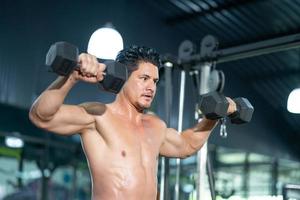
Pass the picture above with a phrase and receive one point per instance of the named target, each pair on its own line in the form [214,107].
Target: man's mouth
[148,96]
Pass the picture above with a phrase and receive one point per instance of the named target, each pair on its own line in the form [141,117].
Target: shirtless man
[120,141]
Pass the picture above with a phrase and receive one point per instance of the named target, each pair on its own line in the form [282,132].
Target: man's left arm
[187,142]
[190,140]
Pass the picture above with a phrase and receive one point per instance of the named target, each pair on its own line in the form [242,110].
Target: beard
[141,106]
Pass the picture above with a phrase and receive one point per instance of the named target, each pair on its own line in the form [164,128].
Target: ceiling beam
[190,16]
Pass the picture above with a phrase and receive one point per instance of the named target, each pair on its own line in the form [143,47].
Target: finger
[101,67]
[101,71]
[100,76]
[92,65]
[83,60]
[95,66]
[90,79]
[87,65]
[81,57]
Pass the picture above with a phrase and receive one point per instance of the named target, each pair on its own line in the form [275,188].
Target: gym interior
[253,48]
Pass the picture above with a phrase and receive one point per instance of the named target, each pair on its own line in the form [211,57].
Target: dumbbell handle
[233,115]
[77,68]
[110,82]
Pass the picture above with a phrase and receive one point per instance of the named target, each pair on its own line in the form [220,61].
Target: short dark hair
[133,55]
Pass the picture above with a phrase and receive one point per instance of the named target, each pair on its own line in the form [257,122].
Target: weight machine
[202,66]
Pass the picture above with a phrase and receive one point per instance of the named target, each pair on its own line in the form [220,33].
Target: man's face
[140,87]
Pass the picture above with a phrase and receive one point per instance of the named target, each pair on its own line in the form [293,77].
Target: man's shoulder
[94,108]
[155,119]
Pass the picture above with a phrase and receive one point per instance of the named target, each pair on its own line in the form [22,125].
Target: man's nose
[151,86]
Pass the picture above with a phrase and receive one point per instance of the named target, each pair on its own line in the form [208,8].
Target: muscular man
[120,141]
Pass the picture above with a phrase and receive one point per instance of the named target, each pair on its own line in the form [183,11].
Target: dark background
[28,28]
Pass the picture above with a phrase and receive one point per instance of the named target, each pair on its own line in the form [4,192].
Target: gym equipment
[214,105]
[209,45]
[62,59]
[290,191]
[244,111]
[216,80]
[185,50]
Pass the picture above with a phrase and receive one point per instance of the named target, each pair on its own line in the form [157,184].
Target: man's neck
[124,107]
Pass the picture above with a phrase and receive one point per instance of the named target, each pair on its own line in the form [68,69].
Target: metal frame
[248,50]
[164,182]
[203,62]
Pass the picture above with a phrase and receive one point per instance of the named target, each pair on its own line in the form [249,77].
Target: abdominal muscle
[123,181]
[118,175]
[122,160]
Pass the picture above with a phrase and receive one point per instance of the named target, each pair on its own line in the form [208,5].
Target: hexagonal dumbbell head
[62,58]
[214,105]
[244,111]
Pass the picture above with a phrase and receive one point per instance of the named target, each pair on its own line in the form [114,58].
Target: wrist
[62,83]
[72,79]
[233,114]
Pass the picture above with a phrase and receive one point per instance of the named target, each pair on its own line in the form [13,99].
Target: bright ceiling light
[105,43]
[14,142]
[168,64]
[293,102]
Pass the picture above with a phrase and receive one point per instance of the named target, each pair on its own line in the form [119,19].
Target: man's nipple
[123,153]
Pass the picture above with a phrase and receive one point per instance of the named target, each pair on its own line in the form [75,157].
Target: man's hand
[232,106]
[90,70]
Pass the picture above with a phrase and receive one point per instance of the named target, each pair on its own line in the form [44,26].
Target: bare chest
[130,141]
[127,163]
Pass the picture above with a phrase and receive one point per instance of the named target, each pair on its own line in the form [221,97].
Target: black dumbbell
[62,58]
[244,111]
[214,105]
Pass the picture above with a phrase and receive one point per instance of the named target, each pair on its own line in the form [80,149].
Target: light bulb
[105,43]
[293,102]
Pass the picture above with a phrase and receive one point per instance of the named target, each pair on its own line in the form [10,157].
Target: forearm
[52,98]
[196,136]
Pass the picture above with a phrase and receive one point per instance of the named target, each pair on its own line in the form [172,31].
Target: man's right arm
[49,112]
